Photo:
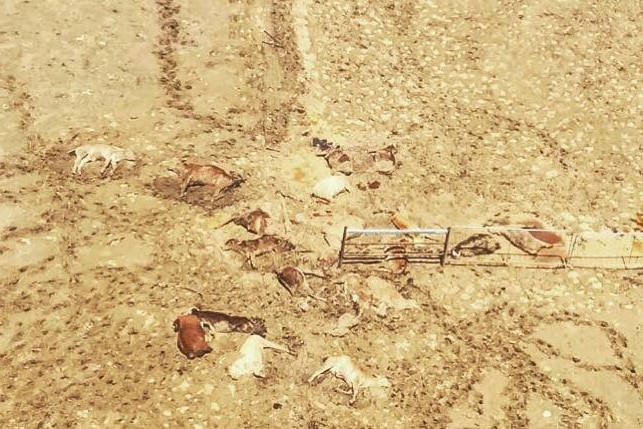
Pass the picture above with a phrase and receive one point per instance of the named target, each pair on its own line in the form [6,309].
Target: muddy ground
[497,109]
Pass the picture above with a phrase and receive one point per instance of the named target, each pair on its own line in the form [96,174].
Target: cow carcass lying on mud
[94,152]
[205,175]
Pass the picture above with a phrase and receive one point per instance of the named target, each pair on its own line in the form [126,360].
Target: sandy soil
[496,108]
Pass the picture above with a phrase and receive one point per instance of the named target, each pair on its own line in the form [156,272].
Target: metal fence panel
[494,246]
[607,250]
[380,245]
[518,247]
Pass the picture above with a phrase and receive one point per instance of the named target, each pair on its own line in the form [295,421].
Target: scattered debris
[327,189]
[205,175]
[322,144]
[285,215]
[376,293]
[476,245]
[250,361]
[384,159]
[191,336]
[221,322]
[375,184]
[638,221]
[276,43]
[255,221]
[339,161]
[94,152]
[343,368]
[343,325]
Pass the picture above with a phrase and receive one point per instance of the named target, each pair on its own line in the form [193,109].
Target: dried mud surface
[496,109]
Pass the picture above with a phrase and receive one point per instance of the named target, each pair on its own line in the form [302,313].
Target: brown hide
[191,336]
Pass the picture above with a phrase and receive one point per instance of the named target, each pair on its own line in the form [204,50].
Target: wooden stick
[274,39]
[272,44]
[193,290]
[285,214]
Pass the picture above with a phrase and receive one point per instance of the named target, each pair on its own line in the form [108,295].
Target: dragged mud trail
[496,110]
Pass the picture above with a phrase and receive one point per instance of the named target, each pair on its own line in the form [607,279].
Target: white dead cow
[94,152]
[250,361]
[343,368]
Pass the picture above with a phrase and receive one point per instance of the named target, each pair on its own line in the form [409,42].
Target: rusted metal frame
[341,250]
[445,248]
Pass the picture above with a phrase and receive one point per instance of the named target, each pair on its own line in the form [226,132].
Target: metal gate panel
[493,246]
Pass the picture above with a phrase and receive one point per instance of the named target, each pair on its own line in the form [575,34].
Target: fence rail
[493,246]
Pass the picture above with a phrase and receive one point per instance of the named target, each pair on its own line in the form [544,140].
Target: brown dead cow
[191,336]
[211,175]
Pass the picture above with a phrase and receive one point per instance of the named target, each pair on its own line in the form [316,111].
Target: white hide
[343,368]
[250,360]
[328,188]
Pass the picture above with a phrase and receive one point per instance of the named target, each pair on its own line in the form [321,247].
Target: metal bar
[446,247]
[374,261]
[491,229]
[341,250]
[433,246]
[396,231]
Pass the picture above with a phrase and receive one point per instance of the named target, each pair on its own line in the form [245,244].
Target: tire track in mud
[499,342]
[22,104]
[166,54]
[275,110]
[28,162]
[71,302]
[29,354]
[277,114]
[63,297]
[51,163]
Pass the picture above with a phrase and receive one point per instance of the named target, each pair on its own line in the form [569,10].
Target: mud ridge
[175,90]
[22,103]
[276,114]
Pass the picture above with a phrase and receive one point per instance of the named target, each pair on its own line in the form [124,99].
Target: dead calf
[205,175]
[191,336]
[94,152]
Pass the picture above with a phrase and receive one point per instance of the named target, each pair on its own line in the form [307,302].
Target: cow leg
[114,166]
[74,169]
[185,184]
[106,166]
[251,261]
[355,389]
[321,371]
[84,160]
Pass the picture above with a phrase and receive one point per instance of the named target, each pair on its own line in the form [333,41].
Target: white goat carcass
[94,152]
[250,361]
[343,368]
